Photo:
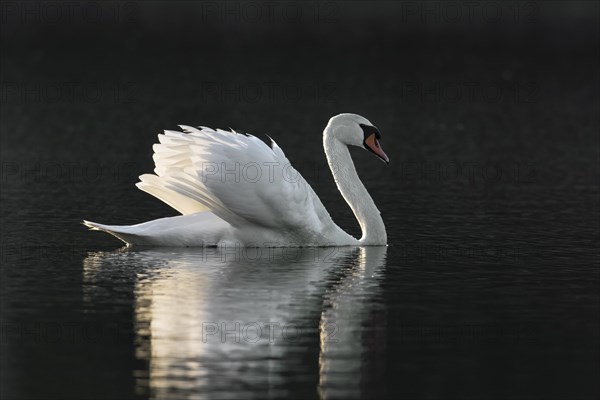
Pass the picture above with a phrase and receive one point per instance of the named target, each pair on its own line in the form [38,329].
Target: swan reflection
[281,321]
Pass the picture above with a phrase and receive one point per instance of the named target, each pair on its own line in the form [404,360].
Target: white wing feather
[237,177]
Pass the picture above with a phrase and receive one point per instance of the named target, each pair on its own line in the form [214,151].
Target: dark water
[488,289]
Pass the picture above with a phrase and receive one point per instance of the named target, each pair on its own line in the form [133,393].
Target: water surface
[489,286]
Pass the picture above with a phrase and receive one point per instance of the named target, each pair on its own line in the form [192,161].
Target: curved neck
[353,191]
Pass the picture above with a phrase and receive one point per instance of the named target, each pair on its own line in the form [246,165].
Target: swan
[234,190]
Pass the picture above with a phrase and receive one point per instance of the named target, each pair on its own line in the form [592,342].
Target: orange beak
[372,144]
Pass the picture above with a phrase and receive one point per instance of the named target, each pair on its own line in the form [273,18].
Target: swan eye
[369,130]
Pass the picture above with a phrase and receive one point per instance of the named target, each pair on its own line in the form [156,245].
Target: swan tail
[123,233]
[194,230]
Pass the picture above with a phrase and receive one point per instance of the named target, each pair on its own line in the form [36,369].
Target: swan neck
[354,192]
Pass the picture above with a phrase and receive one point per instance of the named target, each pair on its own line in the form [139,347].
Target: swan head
[356,130]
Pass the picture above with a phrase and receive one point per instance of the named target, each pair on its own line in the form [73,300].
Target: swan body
[235,190]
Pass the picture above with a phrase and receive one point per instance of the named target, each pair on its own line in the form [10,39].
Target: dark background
[504,91]
[488,111]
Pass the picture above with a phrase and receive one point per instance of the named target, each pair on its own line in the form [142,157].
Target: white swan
[235,190]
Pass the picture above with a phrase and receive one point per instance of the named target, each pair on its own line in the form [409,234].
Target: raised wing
[238,177]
